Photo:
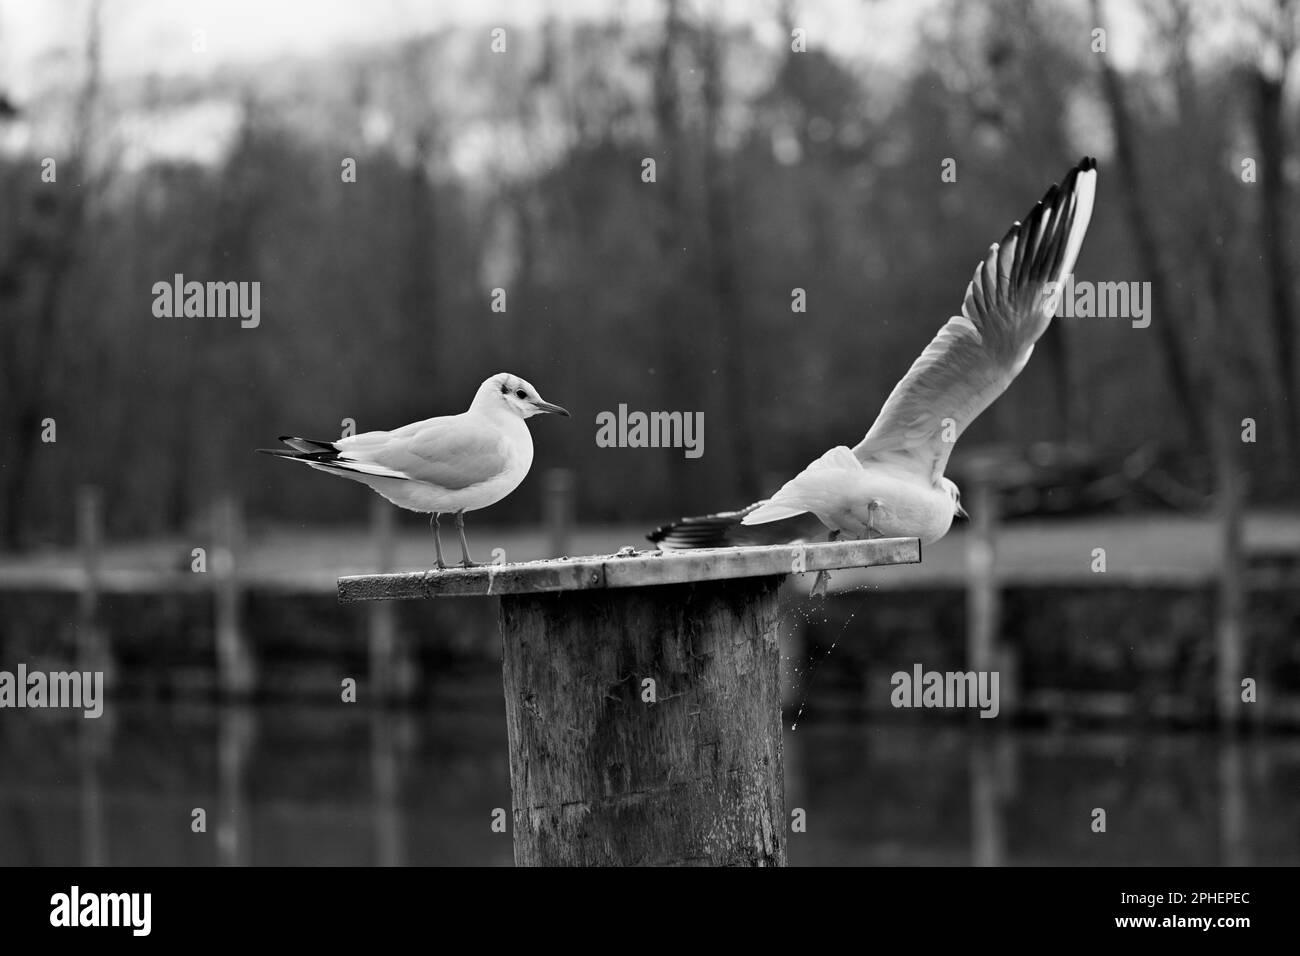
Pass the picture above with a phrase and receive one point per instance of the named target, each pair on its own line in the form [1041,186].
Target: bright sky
[40,40]
[157,36]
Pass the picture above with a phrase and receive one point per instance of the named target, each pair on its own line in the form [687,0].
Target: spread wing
[977,354]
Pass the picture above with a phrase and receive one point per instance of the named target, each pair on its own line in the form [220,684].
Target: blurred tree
[1151,256]
[45,250]
[1278,32]
[774,170]
[720,212]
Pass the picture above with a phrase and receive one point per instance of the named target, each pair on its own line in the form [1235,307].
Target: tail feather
[320,457]
[329,458]
[308,445]
[703,531]
[725,530]
[792,497]
[277,452]
[772,511]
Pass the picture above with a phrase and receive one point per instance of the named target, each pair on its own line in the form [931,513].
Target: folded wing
[452,452]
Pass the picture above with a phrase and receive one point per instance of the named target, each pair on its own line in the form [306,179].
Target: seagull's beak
[961,512]
[542,406]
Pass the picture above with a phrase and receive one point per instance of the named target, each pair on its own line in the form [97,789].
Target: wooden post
[559,509]
[234,660]
[604,773]
[642,697]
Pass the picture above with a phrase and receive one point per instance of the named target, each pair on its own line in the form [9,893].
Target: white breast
[908,509]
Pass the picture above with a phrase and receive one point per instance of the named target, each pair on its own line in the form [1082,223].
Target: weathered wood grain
[638,570]
[599,776]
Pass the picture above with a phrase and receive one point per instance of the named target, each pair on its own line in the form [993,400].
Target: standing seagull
[891,484]
[454,463]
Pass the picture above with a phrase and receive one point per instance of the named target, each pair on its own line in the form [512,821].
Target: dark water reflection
[339,784]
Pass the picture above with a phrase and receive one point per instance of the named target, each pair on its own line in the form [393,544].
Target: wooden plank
[640,569]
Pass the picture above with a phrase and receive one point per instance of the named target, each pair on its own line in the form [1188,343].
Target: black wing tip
[1087,164]
[325,457]
[1041,239]
[308,445]
[702,531]
[681,533]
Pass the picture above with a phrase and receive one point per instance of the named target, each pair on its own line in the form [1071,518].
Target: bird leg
[465,559]
[437,545]
[874,506]
[823,579]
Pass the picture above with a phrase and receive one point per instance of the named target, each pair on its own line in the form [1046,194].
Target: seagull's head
[955,493]
[513,394]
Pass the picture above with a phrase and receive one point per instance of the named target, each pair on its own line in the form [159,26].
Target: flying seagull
[451,464]
[891,484]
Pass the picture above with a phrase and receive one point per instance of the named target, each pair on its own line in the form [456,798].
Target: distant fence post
[559,510]
[387,673]
[92,742]
[1231,610]
[93,652]
[1234,812]
[988,836]
[235,675]
[983,600]
[385,777]
[236,728]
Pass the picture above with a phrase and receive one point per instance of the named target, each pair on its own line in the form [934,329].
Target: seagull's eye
[521,393]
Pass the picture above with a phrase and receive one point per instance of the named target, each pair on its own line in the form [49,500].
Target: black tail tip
[1087,164]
